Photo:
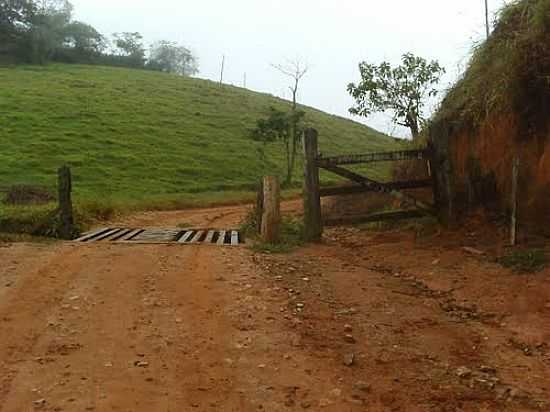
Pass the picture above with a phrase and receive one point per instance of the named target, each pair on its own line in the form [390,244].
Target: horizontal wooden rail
[377,217]
[385,187]
[421,154]
[375,186]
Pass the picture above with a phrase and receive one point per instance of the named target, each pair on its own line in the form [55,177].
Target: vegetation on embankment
[145,140]
[508,73]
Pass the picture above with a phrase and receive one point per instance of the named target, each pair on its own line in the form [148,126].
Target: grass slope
[139,137]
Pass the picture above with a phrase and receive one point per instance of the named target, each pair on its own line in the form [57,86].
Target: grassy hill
[141,137]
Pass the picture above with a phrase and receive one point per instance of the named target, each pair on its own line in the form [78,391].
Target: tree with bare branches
[295,70]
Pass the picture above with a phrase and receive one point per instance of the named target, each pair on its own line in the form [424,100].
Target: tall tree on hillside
[295,70]
[487,27]
[48,28]
[52,7]
[130,45]
[170,57]
[15,15]
[84,39]
[15,21]
[401,90]
[281,126]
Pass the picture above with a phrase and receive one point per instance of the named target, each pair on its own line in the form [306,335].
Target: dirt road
[364,322]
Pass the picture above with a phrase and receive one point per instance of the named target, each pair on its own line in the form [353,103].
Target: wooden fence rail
[394,156]
[379,187]
[375,217]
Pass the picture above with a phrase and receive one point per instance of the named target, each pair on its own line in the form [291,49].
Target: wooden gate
[313,220]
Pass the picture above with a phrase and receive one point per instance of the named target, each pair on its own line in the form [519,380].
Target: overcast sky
[332,36]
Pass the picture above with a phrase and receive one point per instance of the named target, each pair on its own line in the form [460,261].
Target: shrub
[292,234]
[526,261]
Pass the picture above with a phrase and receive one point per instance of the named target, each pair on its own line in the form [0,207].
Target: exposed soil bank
[480,164]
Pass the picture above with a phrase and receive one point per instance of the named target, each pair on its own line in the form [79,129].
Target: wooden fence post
[65,203]
[271,217]
[513,222]
[313,226]
[259,206]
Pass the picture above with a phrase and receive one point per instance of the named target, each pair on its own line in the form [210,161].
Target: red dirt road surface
[363,322]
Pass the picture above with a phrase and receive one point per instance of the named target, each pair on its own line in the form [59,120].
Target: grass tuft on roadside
[422,226]
[525,261]
[291,235]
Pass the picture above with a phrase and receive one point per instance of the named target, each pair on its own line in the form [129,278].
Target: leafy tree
[15,16]
[280,126]
[62,8]
[15,20]
[84,39]
[295,70]
[130,46]
[48,28]
[402,90]
[169,57]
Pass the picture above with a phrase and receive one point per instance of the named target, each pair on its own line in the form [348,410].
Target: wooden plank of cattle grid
[90,235]
[197,236]
[185,238]
[120,234]
[129,236]
[209,236]
[221,239]
[234,238]
[105,235]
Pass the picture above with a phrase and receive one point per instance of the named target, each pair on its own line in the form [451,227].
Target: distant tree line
[42,31]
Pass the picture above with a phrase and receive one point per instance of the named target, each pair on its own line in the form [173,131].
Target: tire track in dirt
[486,332]
[103,349]
[420,334]
[203,376]
[24,312]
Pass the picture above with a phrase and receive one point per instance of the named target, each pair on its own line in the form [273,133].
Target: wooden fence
[313,219]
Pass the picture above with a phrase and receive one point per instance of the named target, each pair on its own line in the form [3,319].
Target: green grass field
[136,136]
